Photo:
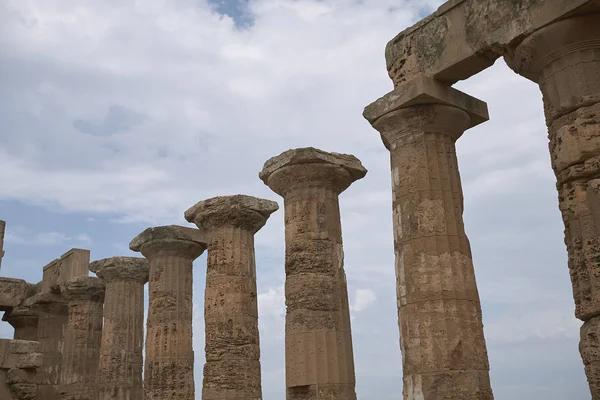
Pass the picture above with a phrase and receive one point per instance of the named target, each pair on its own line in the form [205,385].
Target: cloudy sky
[116,115]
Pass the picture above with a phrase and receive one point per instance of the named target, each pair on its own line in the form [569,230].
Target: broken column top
[170,238]
[238,211]
[83,288]
[336,169]
[72,264]
[121,268]
[13,292]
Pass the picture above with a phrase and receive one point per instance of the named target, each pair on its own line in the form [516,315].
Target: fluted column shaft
[169,362]
[319,355]
[83,336]
[439,313]
[120,368]
[564,59]
[53,316]
[232,369]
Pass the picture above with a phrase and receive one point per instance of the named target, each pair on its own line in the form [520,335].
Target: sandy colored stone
[13,292]
[83,334]
[439,313]
[74,263]
[24,321]
[19,361]
[319,354]
[464,37]
[169,361]
[2,230]
[232,344]
[120,367]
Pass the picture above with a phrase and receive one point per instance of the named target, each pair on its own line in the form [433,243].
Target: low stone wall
[19,360]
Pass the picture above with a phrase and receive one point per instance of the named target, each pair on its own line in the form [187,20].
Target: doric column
[319,356]
[53,315]
[564,59]
[2,228]
[169,363]
[24,321]
[121,362]
[441,332]
[232,369]
[83,334]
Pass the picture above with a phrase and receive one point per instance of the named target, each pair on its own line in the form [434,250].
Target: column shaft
[121,363]
[25,323]
[564,59]
[318,334]
[232,369]
[169,366]
[52,321]
[83,336]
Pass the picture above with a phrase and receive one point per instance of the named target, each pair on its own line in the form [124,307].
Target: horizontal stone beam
[464,37]
[13,292]
[73,264]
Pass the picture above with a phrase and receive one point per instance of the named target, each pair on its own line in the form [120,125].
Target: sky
[117,115]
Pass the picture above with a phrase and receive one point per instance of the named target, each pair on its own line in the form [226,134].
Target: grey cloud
[117,119]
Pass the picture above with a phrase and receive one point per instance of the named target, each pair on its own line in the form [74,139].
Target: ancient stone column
[319,355]
[24,321]
[85,297]
[121,361]
[232,369]
[53,315]
[564,59]
[2,228]
[441,332]
[169,363]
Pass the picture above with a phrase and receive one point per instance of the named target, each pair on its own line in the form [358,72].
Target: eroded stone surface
[439,314]
[2,229]
[319,354]
[232,345]
[25,322]
[19,361]
[169,362]
[121,365]
[464,37]
[13,292]
[74,263]
[245,212]
[83,334]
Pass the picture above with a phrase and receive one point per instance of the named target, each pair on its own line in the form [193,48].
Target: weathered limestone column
[2,228]
[53,315]
[441,332]
[169,363]
[121,361]
[319,355]
[232,369]
[564,59]
[24,321]
[85,296]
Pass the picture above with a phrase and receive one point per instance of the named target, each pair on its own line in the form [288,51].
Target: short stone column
[169,363]
[53,315]
[24,321]
[232,369]
[319,355]
[120,369]
[564,59]
[85,296]
[439,313]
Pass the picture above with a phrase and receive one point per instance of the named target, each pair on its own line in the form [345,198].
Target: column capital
[563,59]
[121,268]
[428,104]
[171,240]
[20,317]
[83,288]
[239,211]
[309,166]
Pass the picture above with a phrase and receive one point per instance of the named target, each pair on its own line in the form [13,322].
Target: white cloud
[23,236]
[363,299]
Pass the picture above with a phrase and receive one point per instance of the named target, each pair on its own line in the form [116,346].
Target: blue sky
[117,116]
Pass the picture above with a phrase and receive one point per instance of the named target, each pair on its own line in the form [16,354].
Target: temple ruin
[81,337]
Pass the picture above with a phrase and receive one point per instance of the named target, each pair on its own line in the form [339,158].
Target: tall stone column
[53,315]
[2,228]
[121,361]
[319,355]
[25,323]
[232,369]
[85,296]
[564,59]
[439,314]
[169,363]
